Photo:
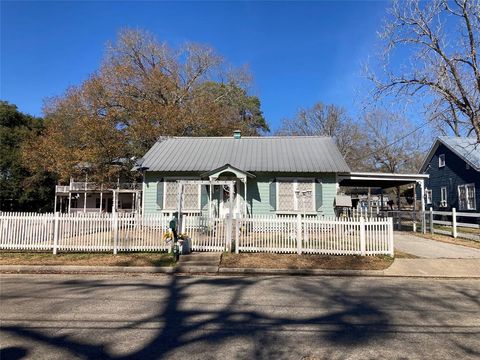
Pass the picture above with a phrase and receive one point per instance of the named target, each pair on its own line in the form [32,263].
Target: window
[296,195]
[441,160]
[466,197]
[191,196]
[191,199]
[428,195]
[170,199]
[443,196]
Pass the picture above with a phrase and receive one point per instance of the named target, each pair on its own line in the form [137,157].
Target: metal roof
[263,154]
[466,148]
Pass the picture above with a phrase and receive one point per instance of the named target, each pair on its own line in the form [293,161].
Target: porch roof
[379,180]
[228,168]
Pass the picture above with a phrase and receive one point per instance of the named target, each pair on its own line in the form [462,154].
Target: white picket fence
[334,236]
[132,232]
[83,232]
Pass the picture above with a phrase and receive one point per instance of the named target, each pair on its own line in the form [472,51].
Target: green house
[270,175]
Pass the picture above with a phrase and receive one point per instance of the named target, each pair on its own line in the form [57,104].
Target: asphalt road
[153,317]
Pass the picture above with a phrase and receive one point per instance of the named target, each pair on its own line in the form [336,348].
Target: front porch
[91,197]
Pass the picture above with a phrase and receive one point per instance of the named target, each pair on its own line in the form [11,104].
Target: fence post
[454,222]
[115,231]
[237,234]
[229,232]
[55,232]
[424,222]
[390,237]
[431,221]
[362,237]
[299,233]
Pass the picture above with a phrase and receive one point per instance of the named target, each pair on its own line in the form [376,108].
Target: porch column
[101,200]
[422,199]
[85,202]
[245,196]
[133,201]
[381,198]
[69,201]
[55,204]
[414,207]
[210,200]
[114,202]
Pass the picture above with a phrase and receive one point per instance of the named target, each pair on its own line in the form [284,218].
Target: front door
[225,201]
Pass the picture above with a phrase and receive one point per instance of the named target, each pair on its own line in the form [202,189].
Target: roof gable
[250,154]
[466,149]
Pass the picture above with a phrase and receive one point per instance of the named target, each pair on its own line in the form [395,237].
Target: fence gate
[207,234]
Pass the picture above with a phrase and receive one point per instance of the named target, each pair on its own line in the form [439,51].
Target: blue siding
[453,174]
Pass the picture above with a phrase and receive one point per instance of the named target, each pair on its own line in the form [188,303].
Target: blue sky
[298,52]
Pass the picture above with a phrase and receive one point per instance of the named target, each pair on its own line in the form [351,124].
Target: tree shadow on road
[348,320]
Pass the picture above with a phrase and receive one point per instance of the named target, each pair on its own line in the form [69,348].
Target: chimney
[237,134]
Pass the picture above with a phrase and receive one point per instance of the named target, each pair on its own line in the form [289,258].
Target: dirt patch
[133,259]
[294,261]
[450,240]
[403,255]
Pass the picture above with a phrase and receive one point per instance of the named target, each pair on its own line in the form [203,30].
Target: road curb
[84,269]
[55,269]
[264,271]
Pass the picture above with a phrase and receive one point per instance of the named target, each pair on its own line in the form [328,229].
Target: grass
[92,259]
[460,229]
[450,240]
[294,261]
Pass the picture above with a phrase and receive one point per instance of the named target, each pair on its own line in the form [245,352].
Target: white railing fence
[315,236]
[133,232]
[453,223]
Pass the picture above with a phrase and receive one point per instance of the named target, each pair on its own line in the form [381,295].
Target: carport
[385,181]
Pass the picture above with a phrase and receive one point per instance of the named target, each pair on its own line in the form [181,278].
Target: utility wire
[397,140]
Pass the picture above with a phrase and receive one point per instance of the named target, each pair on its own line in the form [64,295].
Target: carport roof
[378,180]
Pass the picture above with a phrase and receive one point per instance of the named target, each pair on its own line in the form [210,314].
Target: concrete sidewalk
[431,249]
[423,268]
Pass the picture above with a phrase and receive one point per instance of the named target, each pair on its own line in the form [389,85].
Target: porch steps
[199,262]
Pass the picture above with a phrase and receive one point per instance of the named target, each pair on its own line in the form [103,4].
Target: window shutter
[273,195]
[318,194]
[160,189]
[204,197]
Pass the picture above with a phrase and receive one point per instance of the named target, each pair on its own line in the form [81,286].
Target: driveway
[432,249]
[258,317]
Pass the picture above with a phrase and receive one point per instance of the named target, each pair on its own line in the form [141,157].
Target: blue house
[453,164]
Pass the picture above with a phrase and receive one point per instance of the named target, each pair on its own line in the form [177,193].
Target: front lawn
[92,259]
[294,261]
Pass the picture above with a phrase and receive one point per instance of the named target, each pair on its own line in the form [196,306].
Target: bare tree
[390,143]
[441,40]
[327,120]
